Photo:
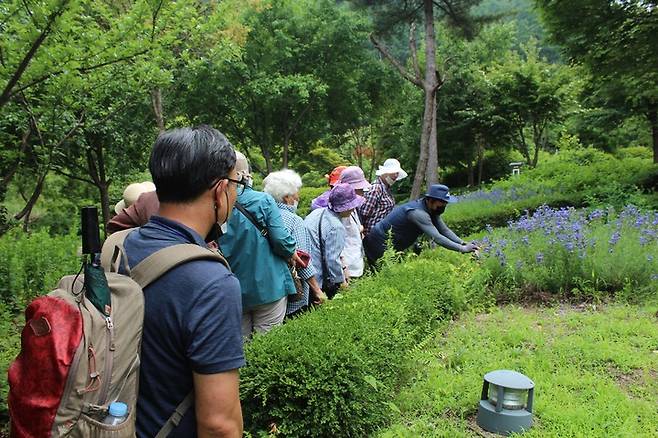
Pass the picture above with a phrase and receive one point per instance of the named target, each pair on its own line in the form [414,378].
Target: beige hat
[132,193]
[241,165]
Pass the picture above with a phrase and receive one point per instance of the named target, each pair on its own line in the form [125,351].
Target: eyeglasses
[239,185]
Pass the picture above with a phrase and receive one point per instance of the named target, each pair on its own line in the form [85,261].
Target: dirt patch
[627,380]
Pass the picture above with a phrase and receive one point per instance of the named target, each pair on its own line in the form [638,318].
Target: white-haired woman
[284,187]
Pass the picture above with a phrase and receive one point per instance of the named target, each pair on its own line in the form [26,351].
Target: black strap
[325,269]
[261,229]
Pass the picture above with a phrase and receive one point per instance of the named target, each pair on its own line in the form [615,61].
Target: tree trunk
[285,153]
[471,174]
[156,100]
[426,171]
[268,158]
[98,174]
[652,115]
[481,146]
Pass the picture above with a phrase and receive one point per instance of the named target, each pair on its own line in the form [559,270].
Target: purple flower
[614,238]
[539,257]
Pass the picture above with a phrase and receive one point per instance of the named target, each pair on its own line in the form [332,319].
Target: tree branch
[75,177]
[82,70]
[403,71]
[7,92]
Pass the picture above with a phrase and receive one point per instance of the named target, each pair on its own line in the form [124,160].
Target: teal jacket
[261,266]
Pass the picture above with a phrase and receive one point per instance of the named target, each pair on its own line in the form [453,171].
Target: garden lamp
[506,402]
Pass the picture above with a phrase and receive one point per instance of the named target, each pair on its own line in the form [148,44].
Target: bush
[32,264]
[334,371]
[579,178]
[306,195]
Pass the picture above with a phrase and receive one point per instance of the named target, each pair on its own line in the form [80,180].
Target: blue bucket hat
[439,191]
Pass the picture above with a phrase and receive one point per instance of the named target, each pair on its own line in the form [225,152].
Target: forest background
[86,86]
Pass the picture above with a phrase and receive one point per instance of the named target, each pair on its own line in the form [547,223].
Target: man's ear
[218,192]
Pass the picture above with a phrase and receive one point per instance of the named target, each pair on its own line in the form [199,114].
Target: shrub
[333,371]
[306,195]
[31,264]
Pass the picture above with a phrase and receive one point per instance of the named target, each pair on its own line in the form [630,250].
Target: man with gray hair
[258,246]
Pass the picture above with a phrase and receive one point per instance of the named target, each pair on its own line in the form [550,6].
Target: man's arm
[444,230]
[217,404]
[423,221]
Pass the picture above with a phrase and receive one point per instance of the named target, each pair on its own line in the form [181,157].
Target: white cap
[391,165]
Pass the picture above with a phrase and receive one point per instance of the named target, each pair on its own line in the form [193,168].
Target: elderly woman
[327,235]
[284,187]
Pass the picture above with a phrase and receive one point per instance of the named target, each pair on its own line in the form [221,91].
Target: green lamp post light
[506,402]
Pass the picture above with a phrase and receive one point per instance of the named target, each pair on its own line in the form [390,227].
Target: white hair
[283,183]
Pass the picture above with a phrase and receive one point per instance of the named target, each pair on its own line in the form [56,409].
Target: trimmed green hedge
[334,371]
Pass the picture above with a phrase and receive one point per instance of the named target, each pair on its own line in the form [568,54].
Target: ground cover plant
[595,370]
[578,178]
[582,254]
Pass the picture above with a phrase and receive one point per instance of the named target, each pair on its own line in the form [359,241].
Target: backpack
[75,361]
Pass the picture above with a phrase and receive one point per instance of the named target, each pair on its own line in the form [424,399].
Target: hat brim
[401,173]
[354,203]
[449,199]
[361,185]
[119,206]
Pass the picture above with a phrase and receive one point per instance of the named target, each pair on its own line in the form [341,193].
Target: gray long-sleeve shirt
[440,234]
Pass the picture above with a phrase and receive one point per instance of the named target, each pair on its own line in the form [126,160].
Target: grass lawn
[595,370]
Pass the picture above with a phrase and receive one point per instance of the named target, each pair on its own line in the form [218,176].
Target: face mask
[248,180]
[217,230]
[439,210]
[389,180]
[295,204]
[214,233]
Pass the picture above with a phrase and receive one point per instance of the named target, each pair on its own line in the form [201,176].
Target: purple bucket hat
[342,198]
[354,176]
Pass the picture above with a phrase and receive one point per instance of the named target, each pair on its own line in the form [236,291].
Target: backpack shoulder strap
[113,248]
[177,416]
[323,256]
[162,261]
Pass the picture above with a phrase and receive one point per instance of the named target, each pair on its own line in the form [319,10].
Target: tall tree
[390,14]
[617,41]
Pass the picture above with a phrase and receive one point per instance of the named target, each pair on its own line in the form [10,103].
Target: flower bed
[575,252]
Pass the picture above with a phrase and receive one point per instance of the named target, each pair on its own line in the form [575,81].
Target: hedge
[334,371]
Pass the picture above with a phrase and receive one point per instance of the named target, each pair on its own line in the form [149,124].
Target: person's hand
[469,247]
[318,297]
[295,260]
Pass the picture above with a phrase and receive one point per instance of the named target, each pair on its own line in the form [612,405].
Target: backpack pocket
[88,427]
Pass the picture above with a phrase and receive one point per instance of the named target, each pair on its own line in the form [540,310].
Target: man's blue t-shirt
[192,320]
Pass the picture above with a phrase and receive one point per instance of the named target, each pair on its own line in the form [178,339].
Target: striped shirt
[333,238]
[379,203]
[295,226]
